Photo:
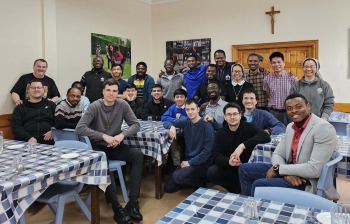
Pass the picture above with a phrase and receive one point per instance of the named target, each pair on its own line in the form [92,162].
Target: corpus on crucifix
[272,14]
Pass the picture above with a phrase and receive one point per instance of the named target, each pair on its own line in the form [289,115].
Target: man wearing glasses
[32,120]
[233,145]
[19,92]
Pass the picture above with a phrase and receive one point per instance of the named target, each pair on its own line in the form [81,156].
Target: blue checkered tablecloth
[212,206]
[262,154]
[151,143]
[43,170]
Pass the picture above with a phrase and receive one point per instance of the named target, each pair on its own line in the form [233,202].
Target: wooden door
[294,53]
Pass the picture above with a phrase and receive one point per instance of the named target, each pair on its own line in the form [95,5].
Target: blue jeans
[187,176]
[253,175]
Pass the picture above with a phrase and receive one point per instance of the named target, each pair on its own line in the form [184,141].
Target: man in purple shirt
[277,86]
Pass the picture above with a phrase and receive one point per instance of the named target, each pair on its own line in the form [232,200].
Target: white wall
[60,31]
[231,22]
[21,43]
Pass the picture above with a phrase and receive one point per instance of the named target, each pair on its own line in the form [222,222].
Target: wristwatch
[276,168]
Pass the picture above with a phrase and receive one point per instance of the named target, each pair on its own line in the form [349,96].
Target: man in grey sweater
[102,124]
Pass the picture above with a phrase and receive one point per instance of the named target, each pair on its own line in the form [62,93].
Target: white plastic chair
[113,165]
[293,196]
[325,181]
[57,194]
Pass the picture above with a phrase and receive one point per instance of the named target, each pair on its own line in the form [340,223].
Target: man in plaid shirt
[255,76]
[277,86]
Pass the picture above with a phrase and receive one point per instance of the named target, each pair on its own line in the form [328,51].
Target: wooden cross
[272,14]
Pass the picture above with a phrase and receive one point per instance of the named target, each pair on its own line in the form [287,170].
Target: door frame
[313,44]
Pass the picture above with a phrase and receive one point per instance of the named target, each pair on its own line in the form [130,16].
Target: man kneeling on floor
[199,140]
[298,160]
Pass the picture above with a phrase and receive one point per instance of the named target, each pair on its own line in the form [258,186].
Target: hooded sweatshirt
[32,119]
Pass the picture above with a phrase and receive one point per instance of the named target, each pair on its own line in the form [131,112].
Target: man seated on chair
[199,139]
[102,124]
[157,106]
[261,118]
[69,111]
[233,145]
[297,161]
[32,120]
[215,106]
[83,99]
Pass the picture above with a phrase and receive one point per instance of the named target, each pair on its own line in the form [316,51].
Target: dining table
[213,206]
[262,153]
[153,143]
[44,168]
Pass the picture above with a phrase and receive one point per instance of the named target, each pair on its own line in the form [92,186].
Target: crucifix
[272,14]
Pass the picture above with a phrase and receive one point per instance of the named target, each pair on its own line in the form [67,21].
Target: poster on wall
[179,50]
[113,50]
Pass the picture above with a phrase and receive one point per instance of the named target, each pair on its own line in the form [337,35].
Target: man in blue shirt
[194,76]
[199,140]
[261,118]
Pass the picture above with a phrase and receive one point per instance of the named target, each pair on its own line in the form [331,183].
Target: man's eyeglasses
[232,115]
[38,87]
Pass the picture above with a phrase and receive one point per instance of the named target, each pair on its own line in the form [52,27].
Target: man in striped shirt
[277,86]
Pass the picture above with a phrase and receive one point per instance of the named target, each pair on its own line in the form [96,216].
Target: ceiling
[153,2]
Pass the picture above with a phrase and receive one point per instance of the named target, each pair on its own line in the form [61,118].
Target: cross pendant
[108,126]
[236,98]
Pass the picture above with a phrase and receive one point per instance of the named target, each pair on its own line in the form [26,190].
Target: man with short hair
[32,120]
[261,68]
[102,124]
[260,118]
[256,77]
[277,86]
[93,80]
[170,80]
[216,105]
[19,92]
[69,111]
[158,106]
[233,146]
[142,81]
[223,72]
[84,101]
[199,139]
[194,76]
[135,103]
[299,157]
[201,94]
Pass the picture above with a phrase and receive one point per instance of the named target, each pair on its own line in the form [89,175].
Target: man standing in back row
[93,80]
[277,86]
[20,92]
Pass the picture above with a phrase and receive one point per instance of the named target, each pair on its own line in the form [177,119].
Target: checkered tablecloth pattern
[43,170]
[151,143]
[212,206]
[262,154]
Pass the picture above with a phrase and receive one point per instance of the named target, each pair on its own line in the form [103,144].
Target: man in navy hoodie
[199,140]
[32,120]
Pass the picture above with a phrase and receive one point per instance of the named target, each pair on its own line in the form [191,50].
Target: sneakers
[121,216]
[133,210]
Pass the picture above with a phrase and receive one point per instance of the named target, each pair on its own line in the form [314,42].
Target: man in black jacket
[135,103]
[32,120]
[233,145]
[223,71]
[93,80]
[158,106]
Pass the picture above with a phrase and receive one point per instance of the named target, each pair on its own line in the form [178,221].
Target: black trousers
[125,153]
[226,177]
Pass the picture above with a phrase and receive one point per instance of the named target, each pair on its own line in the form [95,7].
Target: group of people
[224,113]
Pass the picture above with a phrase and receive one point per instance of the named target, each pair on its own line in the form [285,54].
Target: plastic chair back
[86,140]
[325,181]
[64,134]
[293,196]
[340,127]
[72,144]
